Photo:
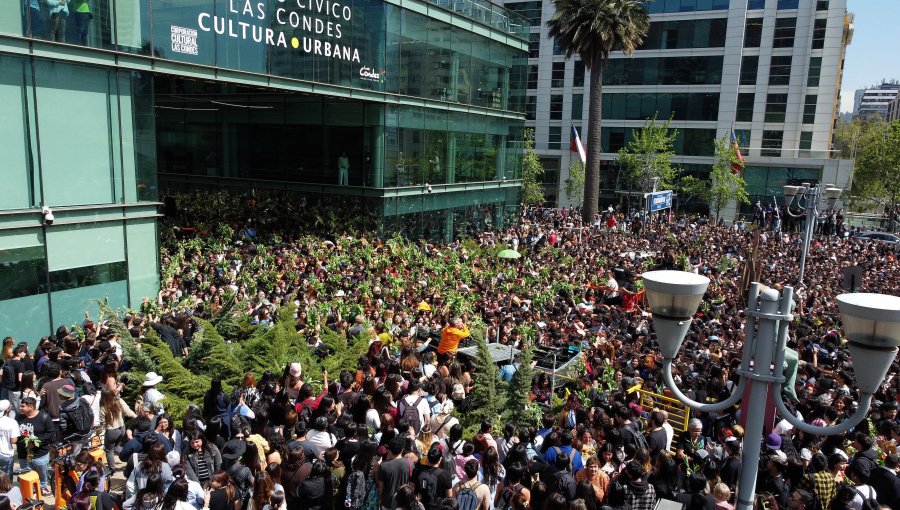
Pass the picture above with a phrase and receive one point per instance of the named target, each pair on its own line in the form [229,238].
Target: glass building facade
[107,105]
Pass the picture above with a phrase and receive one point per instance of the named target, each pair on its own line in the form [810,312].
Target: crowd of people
[389,434]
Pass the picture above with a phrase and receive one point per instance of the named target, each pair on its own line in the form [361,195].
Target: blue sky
[874,53]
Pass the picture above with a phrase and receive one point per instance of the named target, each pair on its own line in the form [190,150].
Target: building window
[822,5]
[530,107]
[809,109]
[749,68]
[534,45]
[776,107]
[557,50]
[577,106]
[532,77]
[756,4]
[661,6]
[788,4]
[703,33]
[531,10]
[578,80]
[805,143]
[680,105]
[815,69]
[780,70]
[771,143]
[553,142]
[556,103]
[745,107]
[753,33]
[818,41]
[558,75]
[664,71]
[785,28]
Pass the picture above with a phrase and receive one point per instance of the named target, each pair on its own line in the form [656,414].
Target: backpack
[426,487]
[79,418]
[466,498]
[558,450]
[637,438]
[867,503]
[506,496]
[411,415]
[458,392]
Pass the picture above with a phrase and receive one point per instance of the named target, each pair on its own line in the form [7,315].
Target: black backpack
[867,503]
[638,439]
[426,487]
[78,418]
[506,496]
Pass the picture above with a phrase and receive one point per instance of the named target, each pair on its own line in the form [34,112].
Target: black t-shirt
[11,370]
[656,441]
[432,484]
[218,500]
[311,494]
[348,450]
[41,427]
[393,474]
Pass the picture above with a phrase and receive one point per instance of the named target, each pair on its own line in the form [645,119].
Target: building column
[500,162]
[454,77]
[504,87]
[451,157]
[377,163]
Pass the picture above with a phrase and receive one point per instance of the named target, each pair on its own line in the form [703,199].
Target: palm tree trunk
[592,172]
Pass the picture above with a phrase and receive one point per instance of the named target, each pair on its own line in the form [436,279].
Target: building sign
[660,200]
[320,22]
[184,40]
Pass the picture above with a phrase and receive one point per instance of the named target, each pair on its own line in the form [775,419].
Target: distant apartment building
[769,69]
[875,101]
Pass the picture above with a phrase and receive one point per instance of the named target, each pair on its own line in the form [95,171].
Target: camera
[47,214]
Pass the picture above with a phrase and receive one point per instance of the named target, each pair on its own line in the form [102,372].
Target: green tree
[520,409]
[488,398]
[723,184]
[532,170]
[575,182]
[877,174]
[593,29]
[648,156]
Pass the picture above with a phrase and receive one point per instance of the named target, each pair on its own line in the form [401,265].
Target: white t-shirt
[9,429]
[865,490]
[321,438]
[423,407]
[612,288]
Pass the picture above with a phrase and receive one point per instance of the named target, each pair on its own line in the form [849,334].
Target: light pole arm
[697,406]
[864,402]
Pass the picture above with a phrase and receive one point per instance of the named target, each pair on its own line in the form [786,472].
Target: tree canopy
[648,155]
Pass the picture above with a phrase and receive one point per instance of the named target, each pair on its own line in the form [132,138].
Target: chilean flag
[738,165]
[577,146]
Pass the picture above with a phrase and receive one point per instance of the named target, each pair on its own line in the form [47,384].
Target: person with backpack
[472,494]
[431,482]
[512,489]
[629,431]
[562,481]
[75,415]
[413,407]
[394,472]
[866,497]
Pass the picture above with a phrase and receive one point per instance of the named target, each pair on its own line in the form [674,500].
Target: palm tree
[593,29]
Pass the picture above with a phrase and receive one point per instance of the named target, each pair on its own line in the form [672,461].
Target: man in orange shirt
[450,338]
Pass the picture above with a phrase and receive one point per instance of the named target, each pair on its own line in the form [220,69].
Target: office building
[875,101]
[413,108]
[769,69]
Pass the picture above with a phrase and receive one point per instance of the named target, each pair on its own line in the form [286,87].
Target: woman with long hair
[317,491]
[362,493]
[263,487]
[291,474]
[245,471]
[609,461]
[7,348]
[84,463]
[26,389]
[248,389]
[154,463]
[113,411]
[665,476]
[221,493]
[176,497]
[201,459]
[492,472]
[9,490]
[109,377]
[166,427]
[215,402]
[90,490]
[148,498]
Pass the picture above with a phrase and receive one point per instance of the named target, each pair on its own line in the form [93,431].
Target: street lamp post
[871,323]
[808,197]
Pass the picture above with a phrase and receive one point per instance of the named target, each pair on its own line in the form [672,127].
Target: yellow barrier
[679,414]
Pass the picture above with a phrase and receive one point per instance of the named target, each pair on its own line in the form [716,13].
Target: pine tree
[520,409]
[489,396]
